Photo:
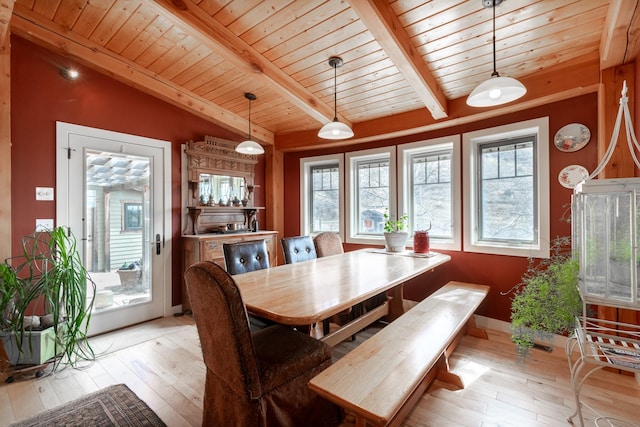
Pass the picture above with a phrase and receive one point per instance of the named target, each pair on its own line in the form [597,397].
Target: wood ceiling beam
[192,19]
[388,31]
[6,9]
[564,81]
[31,26]
[618,43]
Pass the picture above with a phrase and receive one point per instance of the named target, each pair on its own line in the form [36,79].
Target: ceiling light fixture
[69,73]
[497,90]
[249,146]
[335,129]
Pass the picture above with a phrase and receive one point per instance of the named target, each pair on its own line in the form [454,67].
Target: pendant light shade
[335,129]
[497,90]
[249,146]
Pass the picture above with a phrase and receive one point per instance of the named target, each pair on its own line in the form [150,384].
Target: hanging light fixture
[249,146]
[497,90]
[335,129]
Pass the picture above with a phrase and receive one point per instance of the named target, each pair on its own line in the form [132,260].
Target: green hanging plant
[547,301]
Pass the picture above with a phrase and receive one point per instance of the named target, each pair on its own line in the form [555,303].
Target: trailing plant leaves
[547,301]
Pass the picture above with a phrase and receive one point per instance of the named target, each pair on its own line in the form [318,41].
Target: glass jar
[421,242]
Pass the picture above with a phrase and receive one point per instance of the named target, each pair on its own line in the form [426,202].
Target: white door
[114,194]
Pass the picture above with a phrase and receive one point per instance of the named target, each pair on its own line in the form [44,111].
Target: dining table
[308,292]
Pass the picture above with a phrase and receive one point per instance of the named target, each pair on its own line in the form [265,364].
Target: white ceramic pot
[396,242]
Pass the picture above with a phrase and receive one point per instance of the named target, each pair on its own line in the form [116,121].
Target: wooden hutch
[220,209]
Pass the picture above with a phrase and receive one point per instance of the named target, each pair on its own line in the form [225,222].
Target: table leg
[396,308]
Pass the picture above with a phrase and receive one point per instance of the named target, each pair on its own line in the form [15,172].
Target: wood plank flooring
[161,362]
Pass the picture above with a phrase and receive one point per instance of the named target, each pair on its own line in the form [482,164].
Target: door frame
[63,132]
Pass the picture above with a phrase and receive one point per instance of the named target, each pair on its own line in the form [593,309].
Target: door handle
[157,244]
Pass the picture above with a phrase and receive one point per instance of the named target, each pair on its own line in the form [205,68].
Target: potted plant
[45,303]
[395,232]
[130,274]
[547,301]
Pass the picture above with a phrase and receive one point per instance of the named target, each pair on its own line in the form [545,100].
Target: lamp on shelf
[335,129]
[249,146]
[497,90]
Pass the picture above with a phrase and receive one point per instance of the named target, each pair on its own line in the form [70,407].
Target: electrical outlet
[44,193]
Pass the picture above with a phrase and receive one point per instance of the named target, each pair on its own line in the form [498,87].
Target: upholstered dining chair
[329,243]
[297,249]
[253,380]
[243,257]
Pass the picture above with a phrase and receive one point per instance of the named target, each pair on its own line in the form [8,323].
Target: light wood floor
[161,362]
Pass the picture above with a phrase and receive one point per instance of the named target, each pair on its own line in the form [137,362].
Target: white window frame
[470,142]
[352,158]
[405,152]
[306,163]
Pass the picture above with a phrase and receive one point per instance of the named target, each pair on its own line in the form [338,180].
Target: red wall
[40,97]
[501,272]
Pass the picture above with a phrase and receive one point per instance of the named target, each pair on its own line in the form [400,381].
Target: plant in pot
[547,301]
[395,232]
[46,297]
[130,274]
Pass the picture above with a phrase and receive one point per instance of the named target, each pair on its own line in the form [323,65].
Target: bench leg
[474,331]
[445,375]
[396,307]
[444,372]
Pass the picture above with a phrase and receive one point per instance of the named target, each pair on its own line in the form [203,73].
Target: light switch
[44,193]
[44,224]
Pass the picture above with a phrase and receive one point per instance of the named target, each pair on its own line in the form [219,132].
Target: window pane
[132,216]
[432,193]
[507,191]
[373,195]
[324,198]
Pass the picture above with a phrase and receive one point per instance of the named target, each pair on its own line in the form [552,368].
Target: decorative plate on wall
[572,137]
[572,175]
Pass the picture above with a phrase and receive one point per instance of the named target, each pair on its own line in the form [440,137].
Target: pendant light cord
[250,120]
[335,93]
[495,72]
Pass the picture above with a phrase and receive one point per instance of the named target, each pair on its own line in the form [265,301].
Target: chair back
[223,327]
[297,249]
[328,243]
[243,257]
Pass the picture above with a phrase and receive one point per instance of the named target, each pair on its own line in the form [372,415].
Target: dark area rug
[113,406]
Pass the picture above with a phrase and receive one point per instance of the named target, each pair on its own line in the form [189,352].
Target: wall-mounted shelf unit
[211,219]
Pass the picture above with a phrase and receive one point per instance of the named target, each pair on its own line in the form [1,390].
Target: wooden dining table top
[308,292]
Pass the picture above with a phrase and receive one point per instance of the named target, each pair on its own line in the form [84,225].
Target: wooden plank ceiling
[399,56]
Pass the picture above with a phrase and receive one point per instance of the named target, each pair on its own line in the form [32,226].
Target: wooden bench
[382,379]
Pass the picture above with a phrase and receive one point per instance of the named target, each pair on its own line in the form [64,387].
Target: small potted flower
[395,232]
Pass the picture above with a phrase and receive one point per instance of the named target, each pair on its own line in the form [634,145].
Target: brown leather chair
[297,249]
[243,257]
[329,243]
[258,380]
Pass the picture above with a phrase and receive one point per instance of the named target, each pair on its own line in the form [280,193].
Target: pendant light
[249,146]
[497,90]
[335,129]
